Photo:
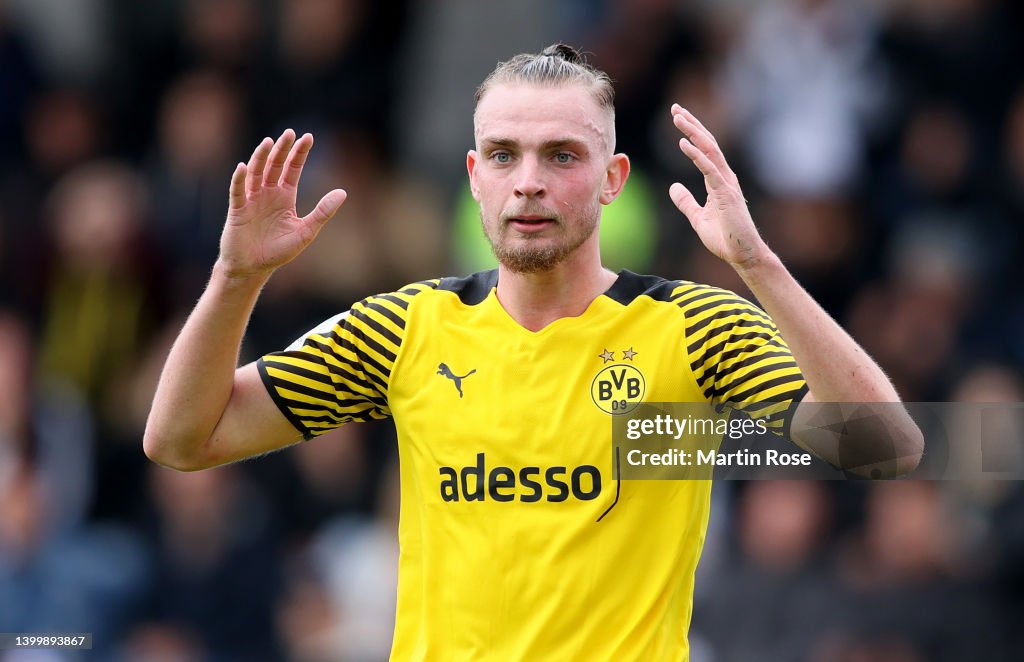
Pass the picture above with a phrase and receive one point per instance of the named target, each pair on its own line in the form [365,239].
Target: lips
[530,223]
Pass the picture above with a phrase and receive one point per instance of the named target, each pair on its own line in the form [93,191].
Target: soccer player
[517,540]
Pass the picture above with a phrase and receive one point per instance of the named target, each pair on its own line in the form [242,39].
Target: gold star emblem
[629,354]
[607,356]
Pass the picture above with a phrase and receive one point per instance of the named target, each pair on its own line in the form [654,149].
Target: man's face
[541,172]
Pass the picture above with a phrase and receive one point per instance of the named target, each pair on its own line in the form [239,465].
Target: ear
[615,177]
[472,158]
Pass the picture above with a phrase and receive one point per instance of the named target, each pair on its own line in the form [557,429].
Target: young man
[518,541]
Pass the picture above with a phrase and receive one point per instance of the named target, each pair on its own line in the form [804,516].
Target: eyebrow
[546,145]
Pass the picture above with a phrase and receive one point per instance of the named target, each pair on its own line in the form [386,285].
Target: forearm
[874,440]
[836,368]
[198,376]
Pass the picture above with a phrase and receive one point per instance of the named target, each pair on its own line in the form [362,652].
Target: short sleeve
[738,356]
[340,371]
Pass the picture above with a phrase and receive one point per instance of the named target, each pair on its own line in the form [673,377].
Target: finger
[277,158]
[257,163]
[685,202]
[694,127]
[325,209]
[700,125]
[705,142]
[236,191]
[679,111]
[296,160]
[712,177]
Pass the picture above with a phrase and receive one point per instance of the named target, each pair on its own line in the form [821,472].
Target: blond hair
[556,65]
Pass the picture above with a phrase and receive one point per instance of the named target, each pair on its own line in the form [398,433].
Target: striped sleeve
[737,355]
[340,371]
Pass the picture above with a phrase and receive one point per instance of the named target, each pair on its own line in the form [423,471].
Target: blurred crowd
[881,147]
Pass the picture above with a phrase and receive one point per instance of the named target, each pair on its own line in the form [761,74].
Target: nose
[529,182]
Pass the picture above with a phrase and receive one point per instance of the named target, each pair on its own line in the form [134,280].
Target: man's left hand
[723,223]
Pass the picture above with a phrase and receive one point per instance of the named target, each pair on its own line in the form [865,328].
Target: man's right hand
[263,230]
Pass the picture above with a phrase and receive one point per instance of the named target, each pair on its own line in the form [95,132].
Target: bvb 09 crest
[618,389]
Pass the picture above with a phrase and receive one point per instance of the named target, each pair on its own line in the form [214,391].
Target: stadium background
[881,145]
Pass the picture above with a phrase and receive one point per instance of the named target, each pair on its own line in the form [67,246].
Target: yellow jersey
[517,540]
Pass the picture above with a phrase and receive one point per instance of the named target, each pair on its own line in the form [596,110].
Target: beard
[531,254]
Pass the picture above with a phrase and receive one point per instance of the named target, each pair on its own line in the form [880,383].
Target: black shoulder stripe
[376,326]
[714,373]
[757,388]
[338,370]
[357,332]
[689,298]
[739,306]
[697,342]
[720,313]
[760,371]
[305,405]
[311,375]
[690,295]
[629,286]
[341,373]
[412,291]
[724,299]
[325,400]
[365,358]
[268,382]
[386,312]
[398,301]
[732,339]
[472,289]
[336,411]
[686,288]
[361,397]
[736,352]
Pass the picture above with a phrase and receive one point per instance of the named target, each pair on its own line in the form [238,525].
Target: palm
[263,230]
[723,223]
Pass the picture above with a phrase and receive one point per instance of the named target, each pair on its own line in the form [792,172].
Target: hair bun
[565,52]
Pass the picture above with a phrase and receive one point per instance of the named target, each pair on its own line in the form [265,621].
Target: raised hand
[263,230]
[723,223]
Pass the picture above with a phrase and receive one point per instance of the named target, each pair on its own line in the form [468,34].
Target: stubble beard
[529,254]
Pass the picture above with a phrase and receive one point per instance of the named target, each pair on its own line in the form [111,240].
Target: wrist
[762,259]
[234,276]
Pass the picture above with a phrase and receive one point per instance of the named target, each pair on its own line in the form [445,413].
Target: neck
[535,300]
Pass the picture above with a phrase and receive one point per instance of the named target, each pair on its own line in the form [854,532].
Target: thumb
[326,208]
[686,203]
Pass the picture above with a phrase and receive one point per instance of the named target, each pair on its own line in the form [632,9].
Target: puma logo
[445,371]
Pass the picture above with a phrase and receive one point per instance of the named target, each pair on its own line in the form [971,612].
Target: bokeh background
[881,147]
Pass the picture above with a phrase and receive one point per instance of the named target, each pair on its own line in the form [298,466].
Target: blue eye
[563,157]
[501,157]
